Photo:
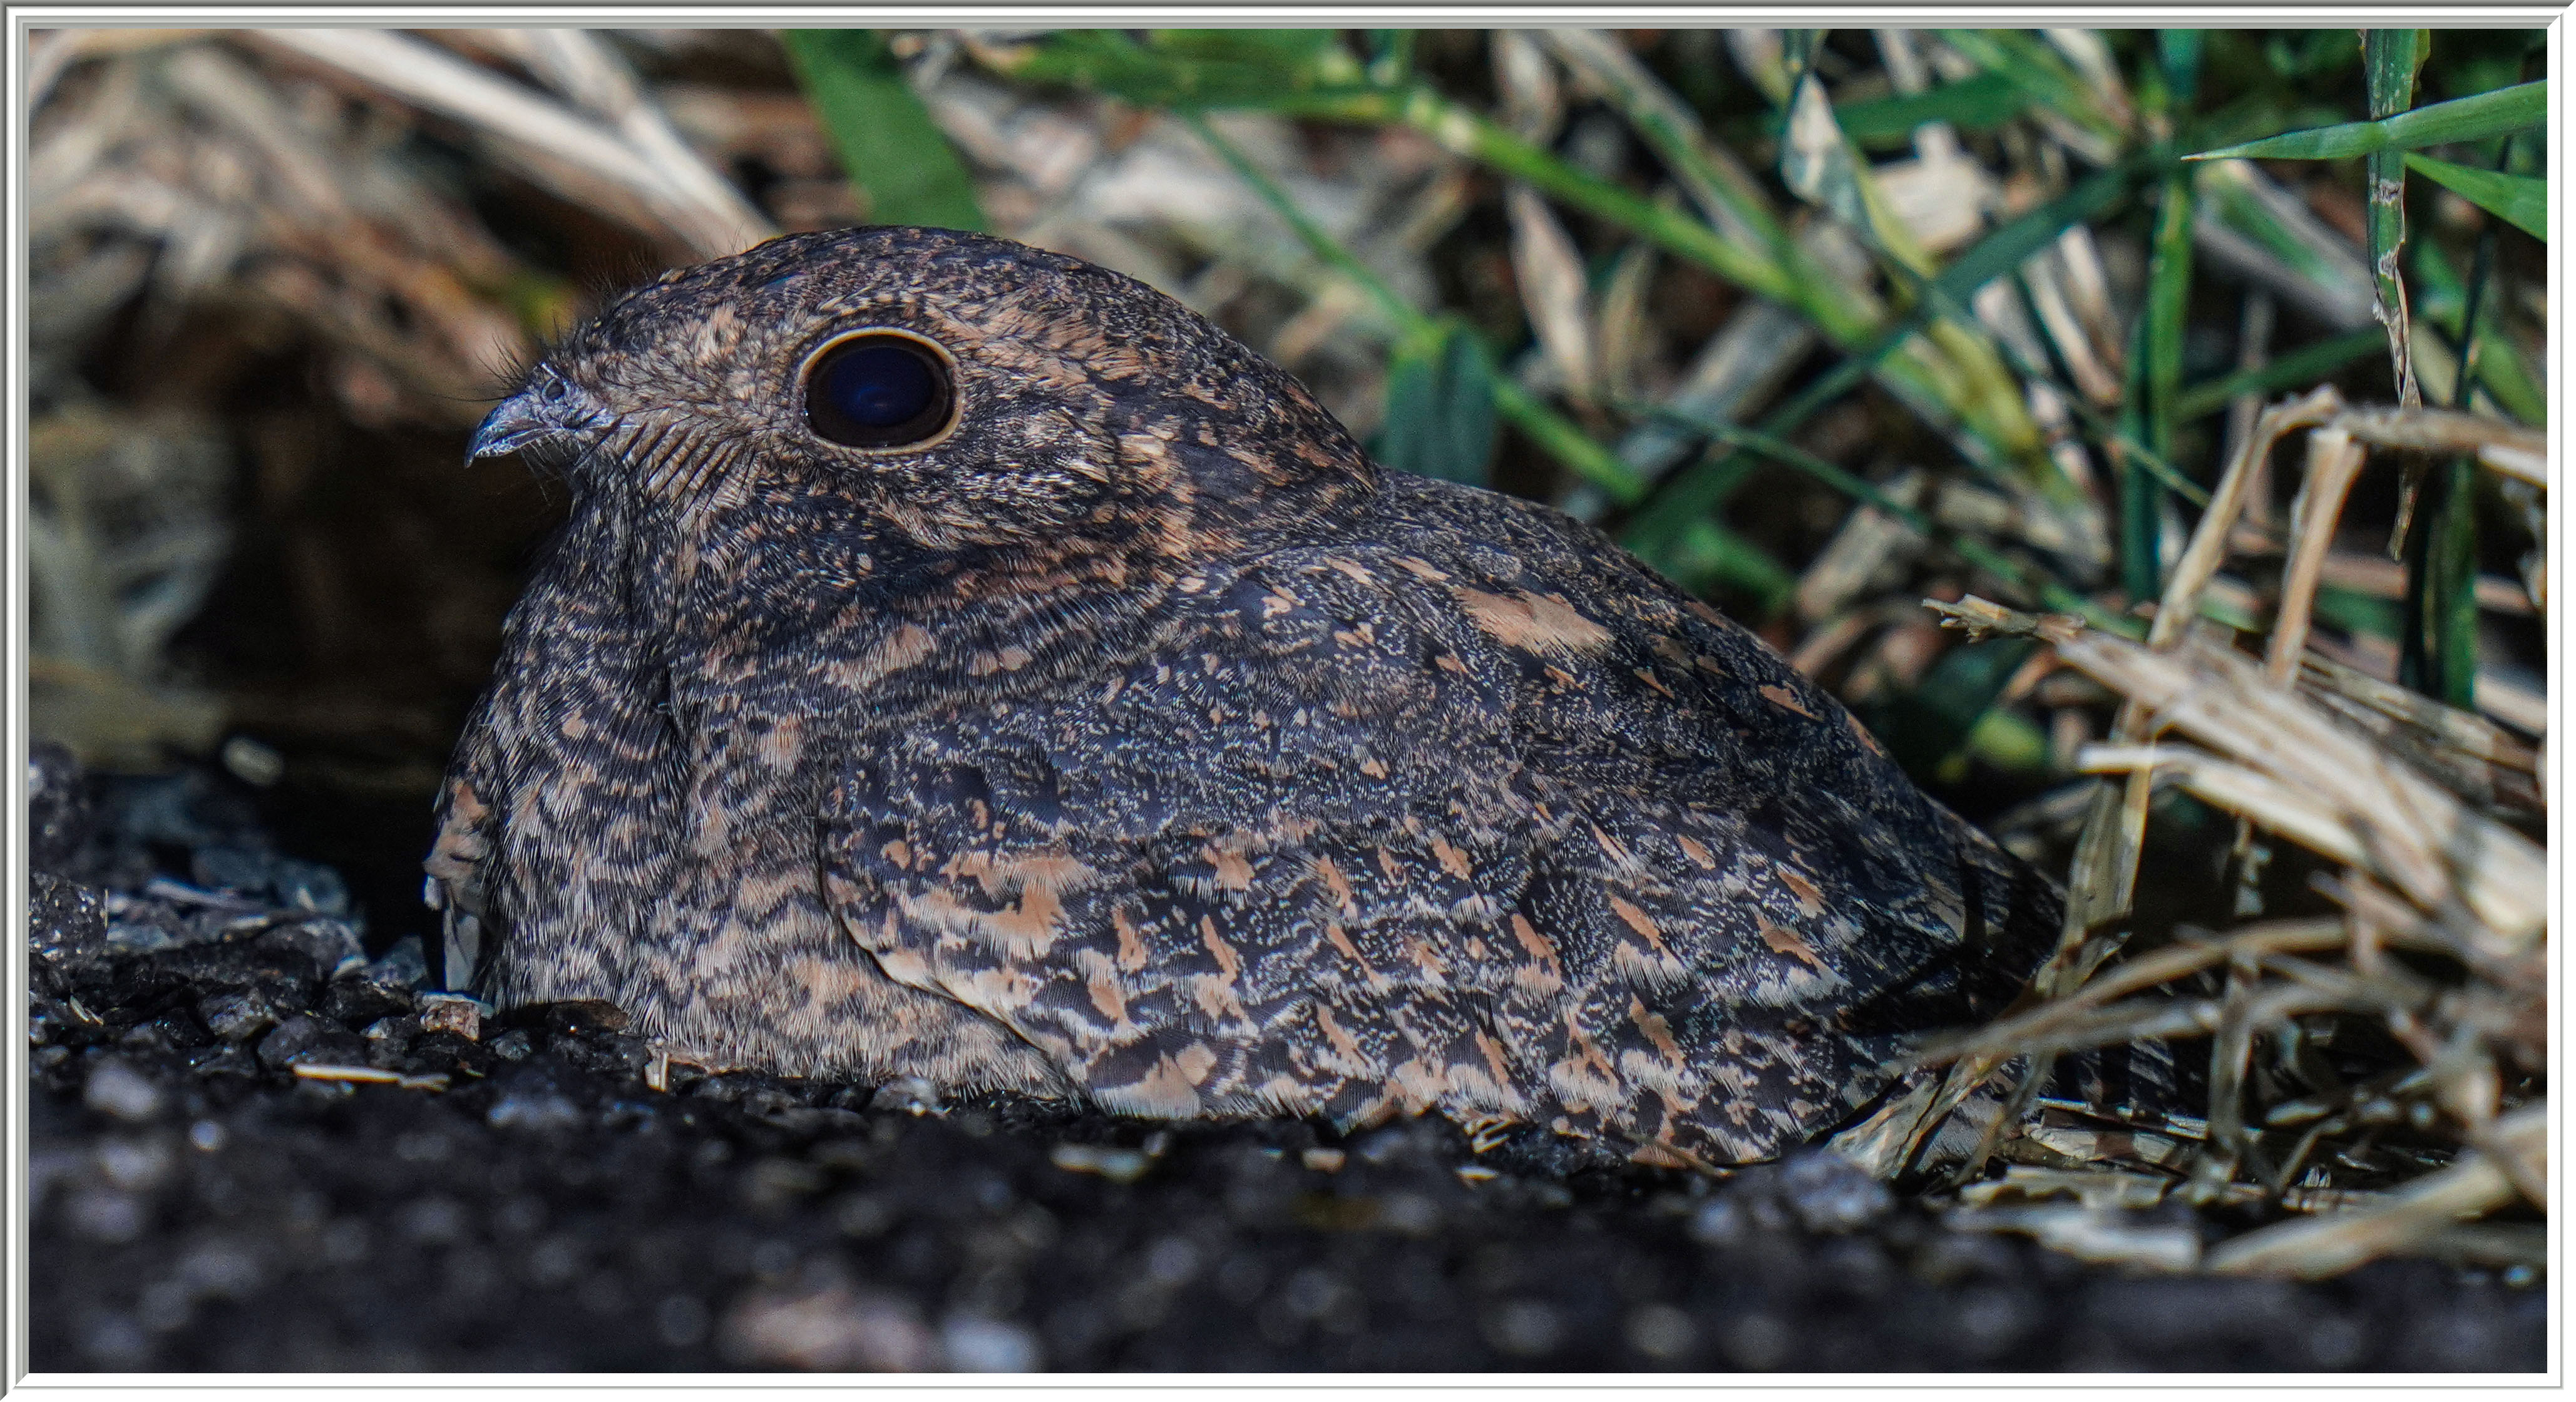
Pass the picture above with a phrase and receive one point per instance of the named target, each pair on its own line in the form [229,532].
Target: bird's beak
[547,410]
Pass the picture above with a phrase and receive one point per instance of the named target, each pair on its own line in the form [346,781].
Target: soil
[523,1198]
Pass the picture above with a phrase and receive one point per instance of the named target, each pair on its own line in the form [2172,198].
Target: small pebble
[433,1221]
[223,1268]
[1664,1333]
[2335,1344]
[253,763]
[772,1184]
[136,1166]
[988,1346]
[117,1089]
[107,1215]
[446,1012]
[681,1321]
[834,1329]
[862,1215]
[1829,1193]
[237,1016]
[1718,1222]
[1756,1341]
[1172,1261]
[1109,1161]
[345,1242]
[1990,1320]
[304,1040]
[534,1108]
[403,966]
[117,1342]
[1411,1214]
[309,886]
[1524,1328]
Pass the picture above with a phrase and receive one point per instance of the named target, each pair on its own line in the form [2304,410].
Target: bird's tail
[2122,1100]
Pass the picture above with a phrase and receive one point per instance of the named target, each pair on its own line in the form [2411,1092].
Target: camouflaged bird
[966,663]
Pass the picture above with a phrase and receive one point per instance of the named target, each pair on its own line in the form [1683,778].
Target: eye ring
[878,389]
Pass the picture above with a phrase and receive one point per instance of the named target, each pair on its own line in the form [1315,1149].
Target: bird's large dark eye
[878,389]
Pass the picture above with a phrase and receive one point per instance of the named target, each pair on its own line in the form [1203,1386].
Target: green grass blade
[2439,653]
[2500,364]
[1551,431]
[2389,59]
[1323,245]
[2178,54]
[1405,437]
[1955,395]
[2139,531]
[2113,437]
[2519,200]
[2159,382]
[2438,647]
[2259,116]
[1390,55]
[1978,103]
[1468,415]
[1927,726]
[1439,418]
[2299,369]
[1944,378]
[2241,197]
[1712,556]
[2156,379]
[2366,615]
[1692,494]
[1789,454]
[1968,548]
[2455,600]
[2005,739]
[2497,113]
[1469,134]
[894,153]
[1817,164]
[1192,70]
[1950,379]
[1559,438]
[2012,244]
[2048,80]
[1798,52]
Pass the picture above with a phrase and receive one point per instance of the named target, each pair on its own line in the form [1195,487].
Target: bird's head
[960,391]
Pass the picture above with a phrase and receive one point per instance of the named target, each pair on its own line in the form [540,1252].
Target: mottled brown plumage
[1140,740]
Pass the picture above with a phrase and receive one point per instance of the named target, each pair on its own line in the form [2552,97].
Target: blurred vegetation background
[1818,323]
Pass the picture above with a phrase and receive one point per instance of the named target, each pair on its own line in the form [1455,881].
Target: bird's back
[1709,802]
[1449,805]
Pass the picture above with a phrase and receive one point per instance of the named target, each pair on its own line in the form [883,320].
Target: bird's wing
[1389,833]
[1760,909]
[1230,880]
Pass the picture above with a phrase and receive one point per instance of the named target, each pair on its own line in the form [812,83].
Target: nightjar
[962,662]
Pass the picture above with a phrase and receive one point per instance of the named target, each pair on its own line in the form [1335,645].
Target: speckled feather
[1140,740]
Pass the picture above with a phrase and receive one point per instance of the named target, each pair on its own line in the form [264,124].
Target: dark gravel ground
[197,1205]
